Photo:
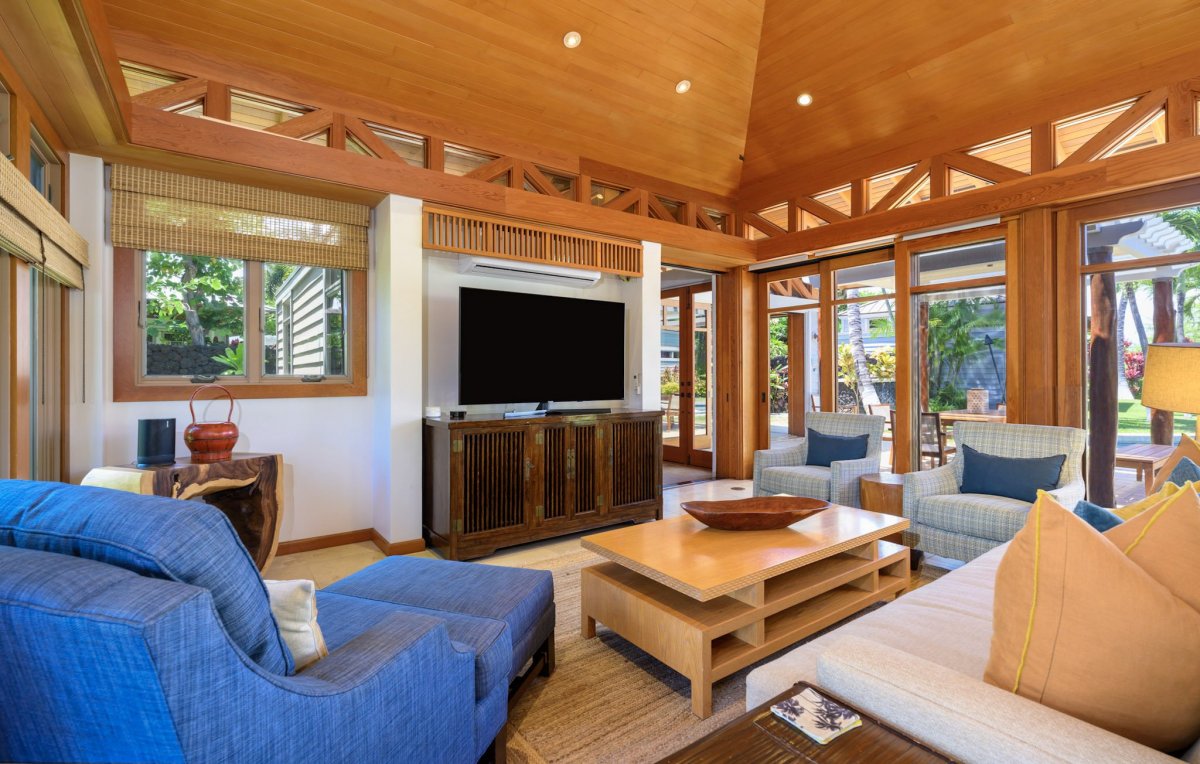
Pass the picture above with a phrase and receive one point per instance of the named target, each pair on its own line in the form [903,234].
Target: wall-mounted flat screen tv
[518,348]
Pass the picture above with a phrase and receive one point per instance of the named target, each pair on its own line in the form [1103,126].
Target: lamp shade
[1172,378]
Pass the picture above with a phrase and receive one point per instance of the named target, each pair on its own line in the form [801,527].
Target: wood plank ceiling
[896,81]
[502,65]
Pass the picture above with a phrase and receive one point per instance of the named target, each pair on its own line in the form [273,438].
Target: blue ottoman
[522,599]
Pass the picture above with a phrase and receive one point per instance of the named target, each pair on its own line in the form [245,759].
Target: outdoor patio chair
[934,445]
[784,470]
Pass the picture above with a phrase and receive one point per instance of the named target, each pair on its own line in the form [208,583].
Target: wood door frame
[906,289]
[1071,400]
[765,279]
[686,452]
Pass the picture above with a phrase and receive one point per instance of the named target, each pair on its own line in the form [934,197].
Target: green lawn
[1131,420]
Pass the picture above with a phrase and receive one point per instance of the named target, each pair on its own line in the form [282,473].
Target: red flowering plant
[1135,368]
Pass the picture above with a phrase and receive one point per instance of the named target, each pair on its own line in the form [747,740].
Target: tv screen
[519,348]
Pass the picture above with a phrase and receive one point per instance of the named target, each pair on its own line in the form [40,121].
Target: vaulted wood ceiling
[892,81]
[502,65]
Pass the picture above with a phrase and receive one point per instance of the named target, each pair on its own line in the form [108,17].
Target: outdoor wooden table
[962,415]
[1147,459]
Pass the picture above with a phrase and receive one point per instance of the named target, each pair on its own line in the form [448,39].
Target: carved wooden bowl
[762,513]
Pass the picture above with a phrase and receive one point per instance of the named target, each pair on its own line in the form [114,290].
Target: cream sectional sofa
[918,664]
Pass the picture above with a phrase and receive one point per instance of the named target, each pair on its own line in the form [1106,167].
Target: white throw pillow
[294,605]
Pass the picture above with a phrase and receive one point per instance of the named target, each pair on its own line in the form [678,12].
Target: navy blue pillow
[1014,478]
[824,449]
[1097,516]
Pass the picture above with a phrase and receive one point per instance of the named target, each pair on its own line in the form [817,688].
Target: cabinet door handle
[528,468]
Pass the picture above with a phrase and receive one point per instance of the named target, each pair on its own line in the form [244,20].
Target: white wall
[442,282]
[396,389]
[332,478]
[349,463]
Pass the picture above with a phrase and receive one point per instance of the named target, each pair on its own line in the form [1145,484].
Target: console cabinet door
[496,472]
[635,462]
[566,460]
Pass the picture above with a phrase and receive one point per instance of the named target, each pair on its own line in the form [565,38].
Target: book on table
[818,717]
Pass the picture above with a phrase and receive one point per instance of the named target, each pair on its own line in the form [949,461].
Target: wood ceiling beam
[1151,166]
[624,201]
[820,209]
[1181,111]
[860,196]
[367,137]
[217,101]
[1120,128]
[537,178]
[706,222]
[494,169]
[175,94]
[239,148]
[904,187]
[980,168]
[304,126]
[762,224]
[655,207]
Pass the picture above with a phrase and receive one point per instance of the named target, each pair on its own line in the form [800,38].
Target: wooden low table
[1147,459]
[708,603]
[760,736]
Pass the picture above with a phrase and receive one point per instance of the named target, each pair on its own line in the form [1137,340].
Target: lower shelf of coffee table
[707,641]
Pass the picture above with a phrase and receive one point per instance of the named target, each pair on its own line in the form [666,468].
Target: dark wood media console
[492,483]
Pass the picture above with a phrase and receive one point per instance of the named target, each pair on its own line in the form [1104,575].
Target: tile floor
[324,566]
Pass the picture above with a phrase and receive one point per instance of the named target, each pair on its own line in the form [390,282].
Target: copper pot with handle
[211,441]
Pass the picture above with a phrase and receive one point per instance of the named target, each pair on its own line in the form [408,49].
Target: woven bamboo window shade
[33,230]
[157,210]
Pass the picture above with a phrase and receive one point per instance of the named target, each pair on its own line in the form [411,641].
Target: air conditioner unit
[528,271]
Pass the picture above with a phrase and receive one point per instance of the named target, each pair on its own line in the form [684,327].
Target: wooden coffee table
[760,736]
[708,603]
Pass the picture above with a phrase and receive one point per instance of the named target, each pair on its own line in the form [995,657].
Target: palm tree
[866,388]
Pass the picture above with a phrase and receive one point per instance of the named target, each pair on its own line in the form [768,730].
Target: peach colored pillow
[1081,628]
[1165,542]
[1130,511]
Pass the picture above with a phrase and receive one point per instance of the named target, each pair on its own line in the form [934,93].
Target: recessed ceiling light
[804,99]
[572,39]
[683,86]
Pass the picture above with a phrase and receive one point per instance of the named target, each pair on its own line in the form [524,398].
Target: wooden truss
[1170,110]
[647,198]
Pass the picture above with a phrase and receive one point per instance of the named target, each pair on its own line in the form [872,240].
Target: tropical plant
[191,300]
[1187,283]
[233,359]
[777,366]
[952,326]
[882,365]
[1135,368]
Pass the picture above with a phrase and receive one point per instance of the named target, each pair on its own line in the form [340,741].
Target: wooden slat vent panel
[471,234]
[636,473]
[585,469]
[494,473]
[554,473]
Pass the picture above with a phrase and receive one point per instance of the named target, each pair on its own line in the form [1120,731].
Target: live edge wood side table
[248,488]
[764,738]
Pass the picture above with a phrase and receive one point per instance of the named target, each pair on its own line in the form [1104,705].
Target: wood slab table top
[704,563]
[962,415]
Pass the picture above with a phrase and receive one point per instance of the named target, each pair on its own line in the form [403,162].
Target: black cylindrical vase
[156,442]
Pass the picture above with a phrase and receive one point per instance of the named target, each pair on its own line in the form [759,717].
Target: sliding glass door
[793,363]
[1139,285]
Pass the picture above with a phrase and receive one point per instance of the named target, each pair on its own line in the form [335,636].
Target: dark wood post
[1162,423]
[1102,381]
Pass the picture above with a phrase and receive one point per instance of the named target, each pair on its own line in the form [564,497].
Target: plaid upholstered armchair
[963,526]
[784,470]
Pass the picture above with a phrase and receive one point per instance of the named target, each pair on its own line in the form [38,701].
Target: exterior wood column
[1162,423]
[1102,381]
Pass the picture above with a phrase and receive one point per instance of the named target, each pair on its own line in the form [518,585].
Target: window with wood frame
[261,291]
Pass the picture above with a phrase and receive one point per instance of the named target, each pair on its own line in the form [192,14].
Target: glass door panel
[670,354]
[703,378]
[960,320]
[793,355]
[1128,306]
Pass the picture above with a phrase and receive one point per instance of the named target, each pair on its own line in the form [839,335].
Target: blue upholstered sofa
[136,628]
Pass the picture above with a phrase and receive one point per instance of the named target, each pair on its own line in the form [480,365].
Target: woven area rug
[608,701]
